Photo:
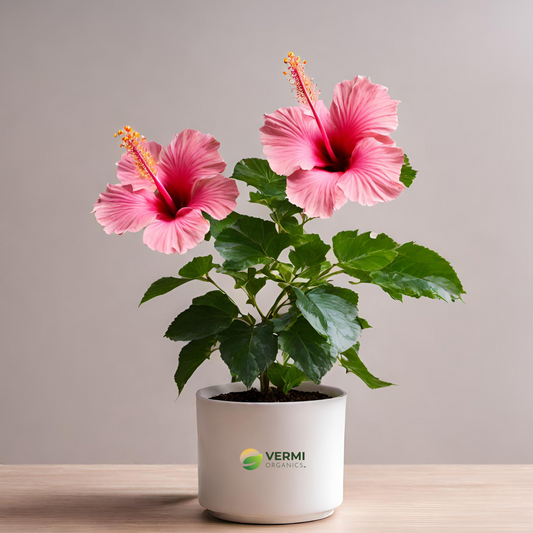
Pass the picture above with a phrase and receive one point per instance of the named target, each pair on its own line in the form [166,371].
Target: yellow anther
[133,141]
[305,90]
[286,60]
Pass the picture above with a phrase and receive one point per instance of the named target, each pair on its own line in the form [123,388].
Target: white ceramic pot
[270,463]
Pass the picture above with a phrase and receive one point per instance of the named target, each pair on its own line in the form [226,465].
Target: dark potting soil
[272,396]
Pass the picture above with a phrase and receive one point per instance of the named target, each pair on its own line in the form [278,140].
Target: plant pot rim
[206,393]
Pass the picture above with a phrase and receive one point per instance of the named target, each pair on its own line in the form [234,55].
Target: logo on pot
[251,459]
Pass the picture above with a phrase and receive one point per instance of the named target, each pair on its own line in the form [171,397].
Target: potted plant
[273,453]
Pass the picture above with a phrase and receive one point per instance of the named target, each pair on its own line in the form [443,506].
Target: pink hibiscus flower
[165,191]
[334,155]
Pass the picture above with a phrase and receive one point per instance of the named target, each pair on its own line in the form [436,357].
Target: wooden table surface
[158,498]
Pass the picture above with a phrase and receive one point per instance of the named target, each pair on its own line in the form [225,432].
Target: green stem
[330,274]
[278,222]
[270,314]
[212,281]
[265,382]
[285,302]
[326,274]
[254,303]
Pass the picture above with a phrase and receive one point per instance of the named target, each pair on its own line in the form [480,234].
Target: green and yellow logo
[251,459]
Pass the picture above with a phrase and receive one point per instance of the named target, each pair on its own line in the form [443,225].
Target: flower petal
[189,157]
[374,172]
[291,140]
[216,196]
[360,107]
[178,234]
[316,191]
[120,209]
[129,175]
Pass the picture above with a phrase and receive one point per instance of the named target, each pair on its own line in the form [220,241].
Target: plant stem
[324,275]
[278,222]
[285,302]
[329,274]
[265,383]
[270,314]
[211,280]
[254,303]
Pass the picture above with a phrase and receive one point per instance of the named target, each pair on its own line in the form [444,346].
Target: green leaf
[218,300]
[285,208]
[280,203]
[259,198]
[286,377]
[408,173]
[362,252]
[346,294]
[258,174]
[363,323]
[313,273]
[332,311]
[218,225]
[250,241]
[192,355]
[255,285]
[263,199]
[284,321]
[247,280]
[284,213]
[209,314]
[307,237]
[311,312]
[198,267]
[195,269]
[360,275]
[309,254]
[241,278]
[417,272]
[248,350]
[308,349]
[352,363]
[285,270]
[162,286]
[292,226]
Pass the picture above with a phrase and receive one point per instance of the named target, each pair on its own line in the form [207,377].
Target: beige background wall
[86,377]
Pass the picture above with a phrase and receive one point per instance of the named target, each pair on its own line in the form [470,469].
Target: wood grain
[405,499]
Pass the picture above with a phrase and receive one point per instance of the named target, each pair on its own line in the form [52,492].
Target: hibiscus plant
[316,160]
